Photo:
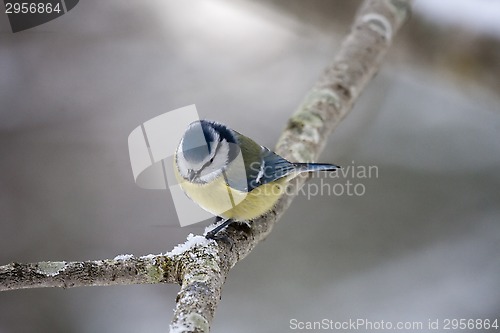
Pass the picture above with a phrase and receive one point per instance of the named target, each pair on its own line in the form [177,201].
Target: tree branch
[201,266]
[119,271]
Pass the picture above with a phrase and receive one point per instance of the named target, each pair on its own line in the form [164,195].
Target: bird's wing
[256,166]
[268,168]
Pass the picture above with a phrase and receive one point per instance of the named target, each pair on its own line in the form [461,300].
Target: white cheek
[181,165]
[215,168]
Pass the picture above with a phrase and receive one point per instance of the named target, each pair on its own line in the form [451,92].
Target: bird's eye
[211,160]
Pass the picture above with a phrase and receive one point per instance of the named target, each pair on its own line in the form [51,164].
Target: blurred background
[423,242]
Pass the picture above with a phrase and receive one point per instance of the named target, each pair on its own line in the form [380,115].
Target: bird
[230,175]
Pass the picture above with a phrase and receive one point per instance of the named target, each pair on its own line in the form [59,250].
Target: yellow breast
[219,199]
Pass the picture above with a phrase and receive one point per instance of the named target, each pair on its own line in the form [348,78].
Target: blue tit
[230,175]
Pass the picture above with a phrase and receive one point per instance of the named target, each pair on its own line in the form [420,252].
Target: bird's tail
[311,167]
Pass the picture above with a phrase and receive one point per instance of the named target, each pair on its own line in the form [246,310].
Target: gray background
[422,243]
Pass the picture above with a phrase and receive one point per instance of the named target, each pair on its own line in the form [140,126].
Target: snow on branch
[122,270]
[201,266]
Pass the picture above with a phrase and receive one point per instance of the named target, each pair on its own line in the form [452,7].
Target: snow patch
[150,256]
[191,241]
[123,257]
